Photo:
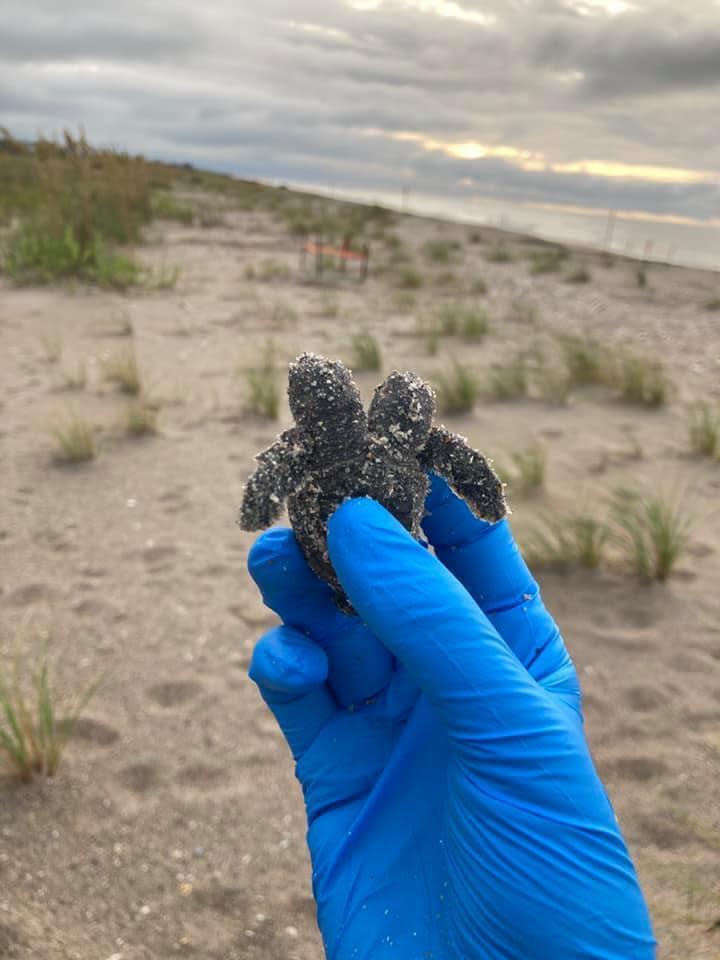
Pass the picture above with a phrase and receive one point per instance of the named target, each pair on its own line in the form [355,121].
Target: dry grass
[35,721]
[440,251]
[457,319]
[122,369]
[641,380]
[713,304]
[74,440]
[366,352]
[579,276]
[52,345]
[653,530]
[704,430]
[510,381]
[457,389]
[588,362]
[74,379]
[409,279]
[140,418]
[528,472]
[566,541]
[498,254]
[262,383]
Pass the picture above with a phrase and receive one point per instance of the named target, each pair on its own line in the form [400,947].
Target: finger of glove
[359,666]
[424,615]
[291,672]
[486,560]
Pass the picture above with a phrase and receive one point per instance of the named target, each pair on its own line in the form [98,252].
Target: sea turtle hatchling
[337,451]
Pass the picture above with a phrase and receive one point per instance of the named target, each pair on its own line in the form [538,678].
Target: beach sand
[175,827]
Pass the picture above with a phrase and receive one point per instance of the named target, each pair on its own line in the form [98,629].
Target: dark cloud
[319,91]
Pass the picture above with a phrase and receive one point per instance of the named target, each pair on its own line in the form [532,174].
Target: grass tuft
[581,275]
[52,345]
[74,440]
[35,723]
[409,279]
[712,305]
[529,465]
[457,389]
[704,431]
[642,381]
[122,370]
[588,362]
[564,542]
[140,419]
[74,379]
[366,353]
[498,254]
[510,381]
[263,390]
[653,530]
[456,319]
[439,251]
[548,261]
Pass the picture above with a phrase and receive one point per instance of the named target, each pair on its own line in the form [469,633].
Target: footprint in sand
[94,731]
[644,698]
[174,693]
[139,777]
[201,776]
[157,555]
[29,594]
[641,769]
[662,832]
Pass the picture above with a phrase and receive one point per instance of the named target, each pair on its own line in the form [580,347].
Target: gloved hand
[454,812]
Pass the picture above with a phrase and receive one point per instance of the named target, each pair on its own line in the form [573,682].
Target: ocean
[691,244]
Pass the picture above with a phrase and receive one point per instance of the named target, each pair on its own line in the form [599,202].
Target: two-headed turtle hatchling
[337,451]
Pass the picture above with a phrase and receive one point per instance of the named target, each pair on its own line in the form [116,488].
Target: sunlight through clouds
[441,8]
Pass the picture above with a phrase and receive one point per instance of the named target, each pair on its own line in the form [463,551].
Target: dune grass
[439,251]
[75,379]
[548,261]
[653,530]
[566,541]
[165,206]
[140,418]
[588,361]
[74,438]
[529,468]
[76,204]
[498,254]
[263,398]
[704,430]
[409,279]
[35,721]
[122,369]
[460,320]
[366,352]
[579,276]
[52,345]
[510,381]
[641,380]
[457,389]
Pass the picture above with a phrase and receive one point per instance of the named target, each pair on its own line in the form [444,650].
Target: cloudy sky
[569,103]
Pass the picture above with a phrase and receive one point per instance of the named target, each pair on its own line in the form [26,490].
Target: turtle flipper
[467,472]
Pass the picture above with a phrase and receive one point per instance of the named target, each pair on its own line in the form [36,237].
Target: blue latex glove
[454,812]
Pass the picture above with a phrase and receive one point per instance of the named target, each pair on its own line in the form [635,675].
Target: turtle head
[323,396]
[401,410]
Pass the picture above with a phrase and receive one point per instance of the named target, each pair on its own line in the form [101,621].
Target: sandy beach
[175,827]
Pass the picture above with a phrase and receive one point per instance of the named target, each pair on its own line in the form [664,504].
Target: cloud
[577,102]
